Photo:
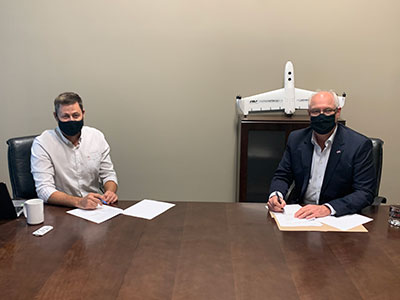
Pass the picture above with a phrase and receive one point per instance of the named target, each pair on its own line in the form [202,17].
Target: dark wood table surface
[197,251]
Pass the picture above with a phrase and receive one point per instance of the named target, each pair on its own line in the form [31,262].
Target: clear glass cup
[394,215]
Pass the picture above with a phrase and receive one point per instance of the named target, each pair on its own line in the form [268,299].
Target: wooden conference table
[197,251]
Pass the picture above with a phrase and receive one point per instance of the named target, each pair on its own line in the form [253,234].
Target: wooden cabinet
[262,140]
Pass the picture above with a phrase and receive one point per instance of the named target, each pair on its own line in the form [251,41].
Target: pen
[279,199]
[102,200]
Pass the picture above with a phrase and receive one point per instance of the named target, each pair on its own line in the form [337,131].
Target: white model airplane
[288,99]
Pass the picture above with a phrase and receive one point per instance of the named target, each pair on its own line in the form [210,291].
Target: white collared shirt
[318,166]
[58,165]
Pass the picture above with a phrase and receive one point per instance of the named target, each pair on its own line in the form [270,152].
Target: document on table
[99,215]
[345,222]
[287,219]
[147,209]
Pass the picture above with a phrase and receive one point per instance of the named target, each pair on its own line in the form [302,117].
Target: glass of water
[394,215]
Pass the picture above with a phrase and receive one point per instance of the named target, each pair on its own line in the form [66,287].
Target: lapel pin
[338,152]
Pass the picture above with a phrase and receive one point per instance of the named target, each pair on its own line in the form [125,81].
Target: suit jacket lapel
[306,149]
[334,158]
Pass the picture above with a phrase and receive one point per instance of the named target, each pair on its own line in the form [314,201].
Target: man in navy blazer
[330,164]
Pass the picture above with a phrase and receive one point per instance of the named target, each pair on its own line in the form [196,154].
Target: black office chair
[19,167]
[377,153]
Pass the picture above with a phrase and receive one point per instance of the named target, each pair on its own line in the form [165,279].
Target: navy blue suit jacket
[349,181]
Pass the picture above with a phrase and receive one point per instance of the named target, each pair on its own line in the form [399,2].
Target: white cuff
[274,193]
[333,211]
[45,193]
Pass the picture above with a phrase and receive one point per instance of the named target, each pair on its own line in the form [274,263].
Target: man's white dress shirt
[318,166]
[58,165]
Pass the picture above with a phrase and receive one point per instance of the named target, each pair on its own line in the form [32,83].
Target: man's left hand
[312,211]
[110,197]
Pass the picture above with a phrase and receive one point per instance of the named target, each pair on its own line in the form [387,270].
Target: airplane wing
[301,98]
[342,100]
[268,101]
[276,96]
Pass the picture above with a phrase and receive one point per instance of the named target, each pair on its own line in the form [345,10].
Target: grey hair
[335,97]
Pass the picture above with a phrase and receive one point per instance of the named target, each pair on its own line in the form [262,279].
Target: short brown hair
[67,98]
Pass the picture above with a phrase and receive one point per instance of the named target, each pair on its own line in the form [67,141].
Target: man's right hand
[274,205]
[90,201]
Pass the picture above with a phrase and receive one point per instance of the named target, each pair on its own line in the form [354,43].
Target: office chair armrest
[378,200]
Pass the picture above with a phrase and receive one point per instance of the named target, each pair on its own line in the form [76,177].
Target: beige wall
[159,78]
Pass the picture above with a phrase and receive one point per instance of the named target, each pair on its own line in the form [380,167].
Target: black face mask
[323,124]
[71,128]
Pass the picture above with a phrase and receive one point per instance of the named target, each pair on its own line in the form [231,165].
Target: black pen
[279,199]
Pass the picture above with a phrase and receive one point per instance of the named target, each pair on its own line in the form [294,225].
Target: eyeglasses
[327,112]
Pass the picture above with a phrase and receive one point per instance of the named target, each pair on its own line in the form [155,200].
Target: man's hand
[110,197]
[90,201]
[275,205]
[312,211]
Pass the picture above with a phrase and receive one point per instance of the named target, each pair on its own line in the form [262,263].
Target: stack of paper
[287,219]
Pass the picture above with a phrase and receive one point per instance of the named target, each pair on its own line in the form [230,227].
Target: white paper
[100,214]
[345,222]
[147,209]
[287,219]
